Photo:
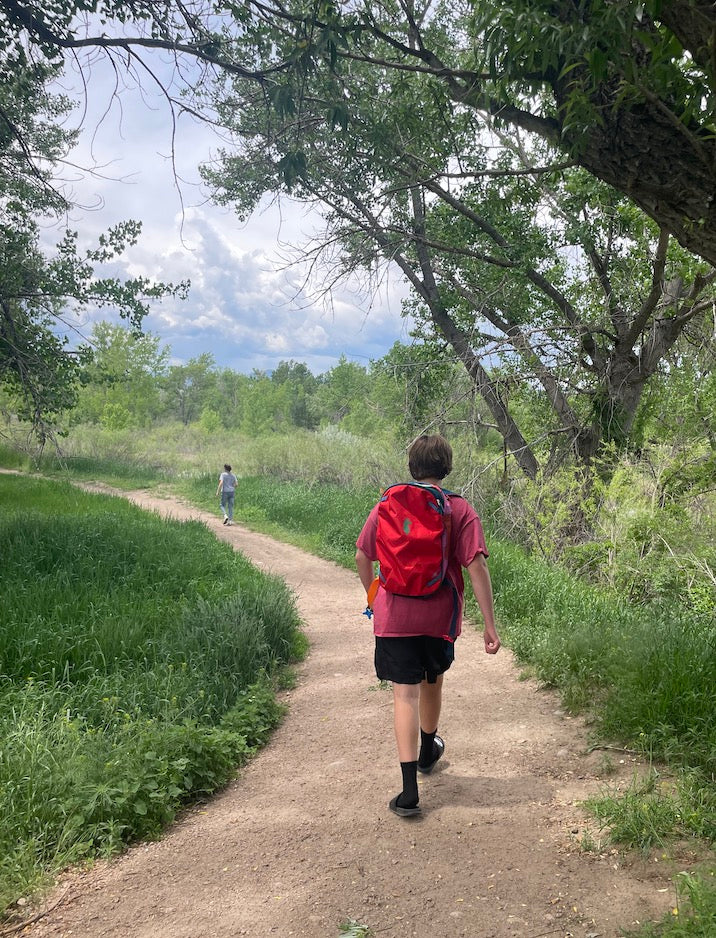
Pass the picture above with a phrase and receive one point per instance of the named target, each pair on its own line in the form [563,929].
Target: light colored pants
[227,504]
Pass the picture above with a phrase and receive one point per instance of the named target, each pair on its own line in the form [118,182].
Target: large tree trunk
[665,167]
[642,145]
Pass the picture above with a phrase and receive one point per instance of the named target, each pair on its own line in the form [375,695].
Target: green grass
[123,469]
[653,810]
[12,458]
[138,659]
[120,473]
[693,914]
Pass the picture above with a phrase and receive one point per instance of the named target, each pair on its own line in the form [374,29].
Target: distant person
[414,635]
[227,489]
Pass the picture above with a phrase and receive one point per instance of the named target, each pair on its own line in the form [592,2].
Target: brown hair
[430,457]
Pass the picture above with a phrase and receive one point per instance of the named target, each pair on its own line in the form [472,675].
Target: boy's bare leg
[406,713]
[431,698]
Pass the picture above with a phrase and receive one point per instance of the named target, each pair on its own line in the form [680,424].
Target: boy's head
[430,457]
[227,467]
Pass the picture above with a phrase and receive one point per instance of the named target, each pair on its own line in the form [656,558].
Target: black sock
[408,798]
[427,747]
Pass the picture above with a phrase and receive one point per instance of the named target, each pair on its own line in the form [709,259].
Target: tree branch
[523,347]
[655,293]
[203,51]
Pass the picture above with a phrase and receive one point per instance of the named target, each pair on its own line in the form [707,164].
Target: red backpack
[413,538]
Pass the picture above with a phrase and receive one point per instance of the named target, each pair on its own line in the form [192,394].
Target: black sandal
[400,811]
[440,745]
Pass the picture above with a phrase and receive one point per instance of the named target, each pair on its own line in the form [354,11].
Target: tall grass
[11,457]
[135,663]
[175,452]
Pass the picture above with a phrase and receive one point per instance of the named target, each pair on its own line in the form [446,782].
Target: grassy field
[138,662]
[645,672]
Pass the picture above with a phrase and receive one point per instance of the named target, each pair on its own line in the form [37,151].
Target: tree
[342,395]
[416,388]
[551,275]
[199,31]
[266,405]
[123,375]
[300,386]
[40,295]
[34,366]
[227,396]
[188,387]
[625,89]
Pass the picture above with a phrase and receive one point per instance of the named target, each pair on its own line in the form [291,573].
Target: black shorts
[413,659]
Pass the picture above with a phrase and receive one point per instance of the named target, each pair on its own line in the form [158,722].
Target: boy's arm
[482,587]
[365,569]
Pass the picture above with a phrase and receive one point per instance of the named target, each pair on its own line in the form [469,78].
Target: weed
[653,810]
[381,685]
[606,766]
[693,916]
[588,843]
[353,929]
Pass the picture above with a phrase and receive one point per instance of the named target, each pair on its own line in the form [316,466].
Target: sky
[246,306]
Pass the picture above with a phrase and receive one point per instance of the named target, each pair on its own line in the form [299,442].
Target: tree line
[126,380]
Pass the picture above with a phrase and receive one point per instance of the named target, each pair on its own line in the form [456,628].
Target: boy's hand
[482,588]
[492,642]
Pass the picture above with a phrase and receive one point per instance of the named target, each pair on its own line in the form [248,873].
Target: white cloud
[275,342]
[245,306]
[314,337]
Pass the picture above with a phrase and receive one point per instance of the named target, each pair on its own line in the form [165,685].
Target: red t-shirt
[401,616]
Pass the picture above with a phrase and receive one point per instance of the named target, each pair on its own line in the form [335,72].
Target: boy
[411,650]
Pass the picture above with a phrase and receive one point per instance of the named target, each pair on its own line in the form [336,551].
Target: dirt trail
[302,840]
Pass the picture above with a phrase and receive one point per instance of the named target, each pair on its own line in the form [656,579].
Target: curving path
[302,840]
